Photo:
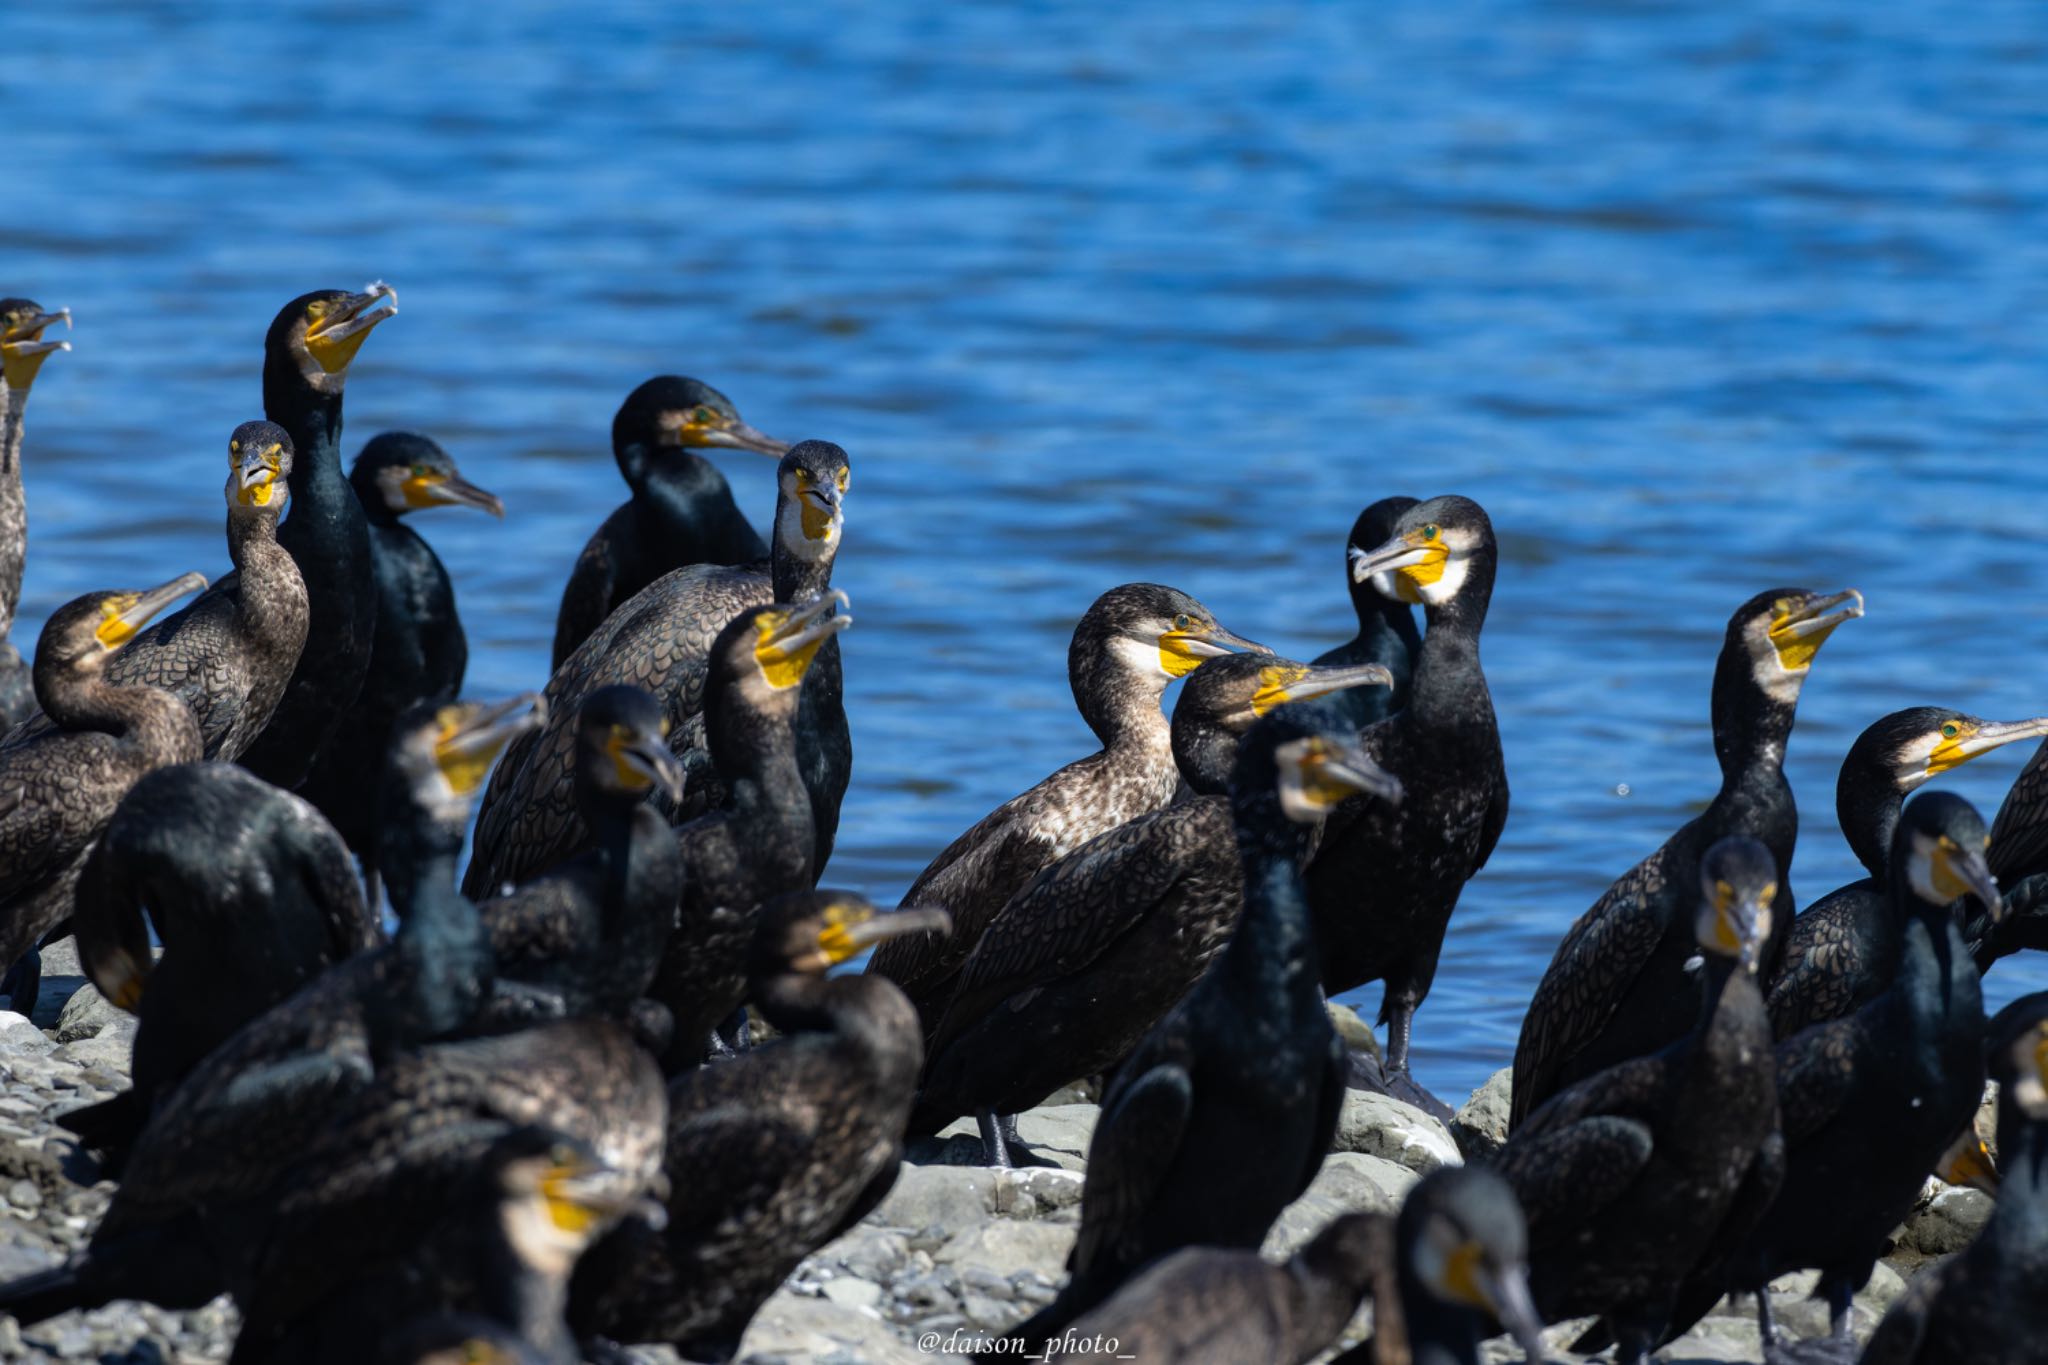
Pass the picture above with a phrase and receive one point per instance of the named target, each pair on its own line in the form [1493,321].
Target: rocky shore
[955,1251]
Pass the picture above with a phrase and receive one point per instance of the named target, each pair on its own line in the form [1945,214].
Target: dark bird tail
[46,1293]
[108,1128]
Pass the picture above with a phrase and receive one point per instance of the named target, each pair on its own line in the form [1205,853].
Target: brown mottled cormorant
[68,781]
[760,844]
[1985,1305]
[1386,622]
[1617,986]
[463,1193]
[1635,1175]
[1385,879]
[1204,1304]
[306,357]
[1842,948]
[661,641]
[681,511]
[251,893]
[22,353]
[775,1154]
[1093,951]
[1223,1114]
[202,1180]
[418,651]
[1870,1102]
[584,937]
[228,655]
[1131,643]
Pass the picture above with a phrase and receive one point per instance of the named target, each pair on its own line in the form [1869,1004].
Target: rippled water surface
[1697,299]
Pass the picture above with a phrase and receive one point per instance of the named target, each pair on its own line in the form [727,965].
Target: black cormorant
[22,353]
[1617,986]
[1870,1102]
[1223,1113]
[228,655]
[584,937]
[1386,877]
[1129,645]
[1634,1176]
[203,1178]
[2019,834]
[1386,622]
[306,357]
[418,652]
[68,781]
[681,511]
[773,1155]
[661,641]
[1985,1306]
[1842,948]
[759,845]
[1093,951]
[251,893]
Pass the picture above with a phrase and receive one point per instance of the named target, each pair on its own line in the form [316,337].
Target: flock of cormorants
[540,1119]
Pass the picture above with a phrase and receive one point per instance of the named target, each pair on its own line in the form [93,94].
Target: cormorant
[251,893]
[418,651]
[1617,986]
[1129,645]
[1842,948]
[22,353]
[661,641]
[1385,879]
[773,1155]
[584,938]
[1204,1304]
[1093,951]
[1985,1306]
[67,782]
[760,844]
[306,357]
[1870,1102]
[228,655]
[203,1179]
[1636,1175]
[1386,622]
[499,1232]
[681,511]
[2019,834]
[1246,1063]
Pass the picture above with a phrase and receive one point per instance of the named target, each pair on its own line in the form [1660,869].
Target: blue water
[1696,298]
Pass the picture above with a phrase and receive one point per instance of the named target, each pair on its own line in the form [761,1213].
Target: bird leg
[733,1033]
[1400,1023]
[994,1149]
[1840,1296]
[1764,1324]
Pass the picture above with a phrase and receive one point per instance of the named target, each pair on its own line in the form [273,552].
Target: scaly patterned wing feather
[1822,959]
[2019,836]
[1568,1173]
[1600,956]
[1070,913]
[1816,1075]
[967,888]
[659,641]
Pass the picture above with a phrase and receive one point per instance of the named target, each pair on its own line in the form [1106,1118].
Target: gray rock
[848,1292]
[869,1253]
[1382,1126]
[1006,1248]
[20,1037]
[1057,1133]
[793,1328]
[937,1196]
[1947,1219]
[1481,1126]
[1349,1182]
[86,1013]
[109,1049]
